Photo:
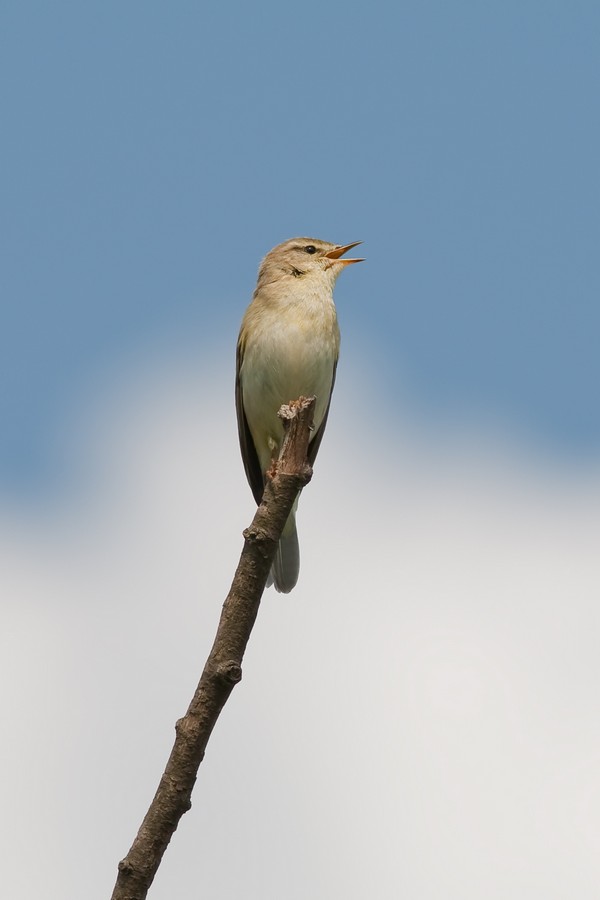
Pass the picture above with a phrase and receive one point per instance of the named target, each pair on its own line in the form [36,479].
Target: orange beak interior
[337,252]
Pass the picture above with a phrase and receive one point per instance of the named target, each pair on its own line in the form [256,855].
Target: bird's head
[305,258]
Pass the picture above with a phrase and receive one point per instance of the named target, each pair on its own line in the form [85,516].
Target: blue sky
[152,154]
[448,595]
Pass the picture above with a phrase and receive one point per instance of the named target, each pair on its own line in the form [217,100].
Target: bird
[288,347]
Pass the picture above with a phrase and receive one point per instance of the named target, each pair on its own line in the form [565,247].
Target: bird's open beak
[335,254]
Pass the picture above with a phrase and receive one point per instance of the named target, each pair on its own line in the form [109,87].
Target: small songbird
[288,347]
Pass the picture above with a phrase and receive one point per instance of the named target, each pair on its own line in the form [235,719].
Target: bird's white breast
[290,350]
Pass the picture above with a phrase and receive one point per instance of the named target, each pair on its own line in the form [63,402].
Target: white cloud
[418,718]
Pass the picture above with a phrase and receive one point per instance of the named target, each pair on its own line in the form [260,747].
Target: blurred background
[419,716]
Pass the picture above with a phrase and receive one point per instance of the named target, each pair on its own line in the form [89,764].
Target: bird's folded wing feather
[249,454]
[315,442]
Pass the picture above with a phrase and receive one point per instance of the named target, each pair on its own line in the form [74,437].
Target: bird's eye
[311,249]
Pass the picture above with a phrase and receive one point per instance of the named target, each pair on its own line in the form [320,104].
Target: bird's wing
[315,443]
[249,454]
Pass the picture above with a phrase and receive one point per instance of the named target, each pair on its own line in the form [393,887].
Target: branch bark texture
[223,668]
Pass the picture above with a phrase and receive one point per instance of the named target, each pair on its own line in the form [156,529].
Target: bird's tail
[286,565]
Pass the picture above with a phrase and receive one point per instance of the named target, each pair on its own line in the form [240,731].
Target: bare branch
[223,669]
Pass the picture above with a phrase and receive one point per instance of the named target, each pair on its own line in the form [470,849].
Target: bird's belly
[278,369]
